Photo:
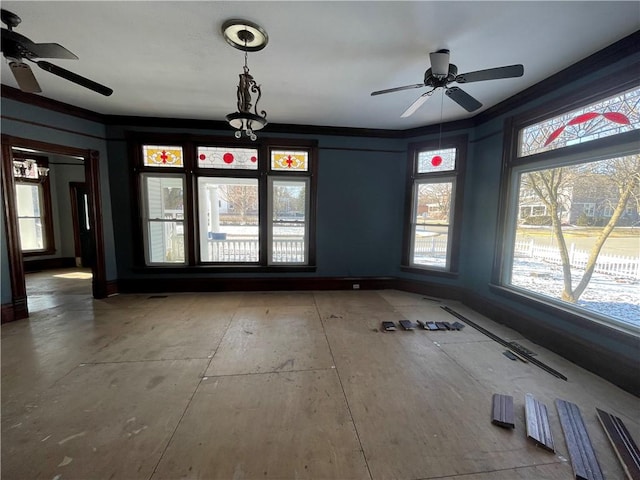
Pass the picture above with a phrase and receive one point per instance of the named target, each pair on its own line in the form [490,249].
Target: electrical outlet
[356,286]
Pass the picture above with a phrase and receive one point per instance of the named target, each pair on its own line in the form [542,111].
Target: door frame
[92,180]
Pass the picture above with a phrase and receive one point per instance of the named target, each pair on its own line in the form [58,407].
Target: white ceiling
[168,59]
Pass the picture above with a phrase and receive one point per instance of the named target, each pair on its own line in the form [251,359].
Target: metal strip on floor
[537,418]
[501,341]
[621,441]
[583,457]
[502,411]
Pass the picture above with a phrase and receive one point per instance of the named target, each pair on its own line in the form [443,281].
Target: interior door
[83,239]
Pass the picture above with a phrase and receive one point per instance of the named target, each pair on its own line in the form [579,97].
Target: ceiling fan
[16,48]
[442,73]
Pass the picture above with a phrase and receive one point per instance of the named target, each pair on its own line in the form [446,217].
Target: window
[289,227]
[435,184]
[228,215]
[33,203]
[163,218]
[218,204]
[582,252]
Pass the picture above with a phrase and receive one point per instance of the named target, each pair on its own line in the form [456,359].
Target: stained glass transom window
[229,158]
[159,156]
[612,116]
[442,160]
[290,160]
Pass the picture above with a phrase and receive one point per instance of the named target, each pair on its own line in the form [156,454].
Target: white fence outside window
[247,250]
[615,265]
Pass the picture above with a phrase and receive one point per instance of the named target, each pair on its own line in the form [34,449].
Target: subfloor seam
[344,393]
[195,390]
[462,475]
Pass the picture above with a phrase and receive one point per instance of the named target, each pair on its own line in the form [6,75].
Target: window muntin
[229,219]
[283,160]
[614,115]
[164,229]
[582,255]
[289,226]
[162,156]
[228,158]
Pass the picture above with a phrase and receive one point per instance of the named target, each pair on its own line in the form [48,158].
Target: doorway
[92,210]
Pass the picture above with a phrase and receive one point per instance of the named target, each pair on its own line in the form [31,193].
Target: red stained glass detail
[585,117]
[554,135]
[164,156]
[289,161]
[203,156]
[254,159]
[227,157]
[436,161]
[617,118]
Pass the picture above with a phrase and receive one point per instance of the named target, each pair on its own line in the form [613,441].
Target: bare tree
[241,198]
[437,195]
[554,186]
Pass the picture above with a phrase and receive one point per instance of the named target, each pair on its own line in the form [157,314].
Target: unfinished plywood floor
[275,385]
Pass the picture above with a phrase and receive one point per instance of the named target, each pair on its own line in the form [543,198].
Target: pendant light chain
[441,109]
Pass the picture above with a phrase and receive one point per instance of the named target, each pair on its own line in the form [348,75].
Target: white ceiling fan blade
[439,63]
[25,78]
[417,104]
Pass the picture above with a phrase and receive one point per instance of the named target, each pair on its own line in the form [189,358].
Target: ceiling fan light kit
[442,73]
[248,37]
[16,48]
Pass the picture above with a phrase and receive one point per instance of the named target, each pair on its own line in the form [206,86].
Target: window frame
[44,194]
[192,172]
[457,177]
[514,165]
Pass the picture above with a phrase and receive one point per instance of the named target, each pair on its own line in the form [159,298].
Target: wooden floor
[275,385]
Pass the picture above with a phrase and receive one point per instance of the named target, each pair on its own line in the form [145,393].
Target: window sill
[429,271]
[213,269]
[593,323]
[38,253]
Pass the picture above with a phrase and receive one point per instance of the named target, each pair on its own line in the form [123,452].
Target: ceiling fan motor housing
[435,82]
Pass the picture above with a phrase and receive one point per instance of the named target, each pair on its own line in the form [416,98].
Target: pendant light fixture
[248,37]
[29,169]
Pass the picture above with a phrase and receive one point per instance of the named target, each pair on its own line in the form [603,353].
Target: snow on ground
[614,297]
[618,298]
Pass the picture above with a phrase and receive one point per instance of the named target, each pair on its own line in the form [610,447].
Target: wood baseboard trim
[537,420]
[163,285]
[31,266]
[7,313]
[14,311]
[583,457]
